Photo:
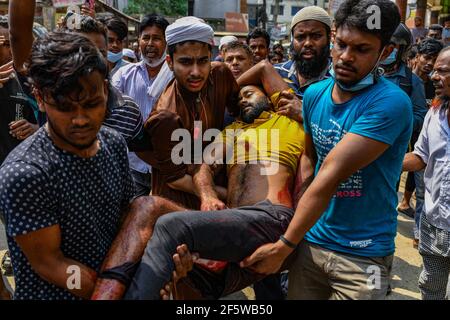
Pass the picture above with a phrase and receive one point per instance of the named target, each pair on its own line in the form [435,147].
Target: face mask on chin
[370,79]
[114,57]
[391,59]
[154,63]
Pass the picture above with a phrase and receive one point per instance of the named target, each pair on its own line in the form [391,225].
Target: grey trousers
[321,274]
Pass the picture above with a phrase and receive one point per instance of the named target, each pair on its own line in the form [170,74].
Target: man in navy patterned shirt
[64,190]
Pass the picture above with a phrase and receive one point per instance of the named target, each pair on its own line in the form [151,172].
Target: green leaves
[164,7]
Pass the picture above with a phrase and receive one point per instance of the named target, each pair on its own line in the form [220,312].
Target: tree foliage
[164,7]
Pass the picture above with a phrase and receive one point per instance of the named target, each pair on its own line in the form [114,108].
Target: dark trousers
[227,235]
[269,288]
[142,183]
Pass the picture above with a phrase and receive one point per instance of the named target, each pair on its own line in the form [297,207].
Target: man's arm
[413,162]
[42,249]
[205,188]
[265,75]
[305,171]
[351,154]
[21,18]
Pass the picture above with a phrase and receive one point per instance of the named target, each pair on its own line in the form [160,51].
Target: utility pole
[402,4]
[264,14]
[421,9]
[276,10]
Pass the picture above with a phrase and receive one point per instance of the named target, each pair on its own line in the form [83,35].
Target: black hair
[355,14]
[4,22]
[412,52]
[272,54]
[430,47]
[436,27]
[278,45]
[117,26]
[173,47]
[87,25]
[59,60]
[151,20]
[259,33]
[238,45]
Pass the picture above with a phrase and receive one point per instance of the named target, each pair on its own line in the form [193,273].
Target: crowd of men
[159,170]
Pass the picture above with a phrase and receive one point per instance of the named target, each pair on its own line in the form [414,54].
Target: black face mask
[314,67]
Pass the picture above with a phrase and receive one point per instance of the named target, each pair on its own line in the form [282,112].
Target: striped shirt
[133,80]
[124,116]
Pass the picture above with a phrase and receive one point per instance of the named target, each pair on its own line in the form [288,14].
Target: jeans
[226,235]
[420,199]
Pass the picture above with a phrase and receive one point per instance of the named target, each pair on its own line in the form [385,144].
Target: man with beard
[199,94]
[357,129]
[260,197]
[431,153]
[310,50]
[135,81]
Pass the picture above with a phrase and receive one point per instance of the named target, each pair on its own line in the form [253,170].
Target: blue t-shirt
[42,186]
[361,218]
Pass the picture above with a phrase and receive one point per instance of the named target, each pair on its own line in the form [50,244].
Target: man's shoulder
[121,102]
[385,90]
[111,137]
[316,89]
[283,66]
[126,69]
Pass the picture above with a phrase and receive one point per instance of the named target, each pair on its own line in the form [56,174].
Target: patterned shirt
[433,147]
[42,185]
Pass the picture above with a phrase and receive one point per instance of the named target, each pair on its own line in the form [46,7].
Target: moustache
[312,51]
[76,128]
[194,79]
[345,66]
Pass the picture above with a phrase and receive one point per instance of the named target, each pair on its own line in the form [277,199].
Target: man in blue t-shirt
[357,128]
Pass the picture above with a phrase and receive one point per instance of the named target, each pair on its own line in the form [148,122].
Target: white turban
[311,13]
[189,29]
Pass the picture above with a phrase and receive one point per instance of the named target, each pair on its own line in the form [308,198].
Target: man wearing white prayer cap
[195,100]
[224,41]
[200,92]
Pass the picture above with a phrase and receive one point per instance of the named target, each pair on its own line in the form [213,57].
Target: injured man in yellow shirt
[262,151]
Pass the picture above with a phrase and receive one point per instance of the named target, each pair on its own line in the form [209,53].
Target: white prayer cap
[226,40]
[129,53]
[311,13]
[189,29]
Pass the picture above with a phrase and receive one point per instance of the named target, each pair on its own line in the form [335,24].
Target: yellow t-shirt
[271,137]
